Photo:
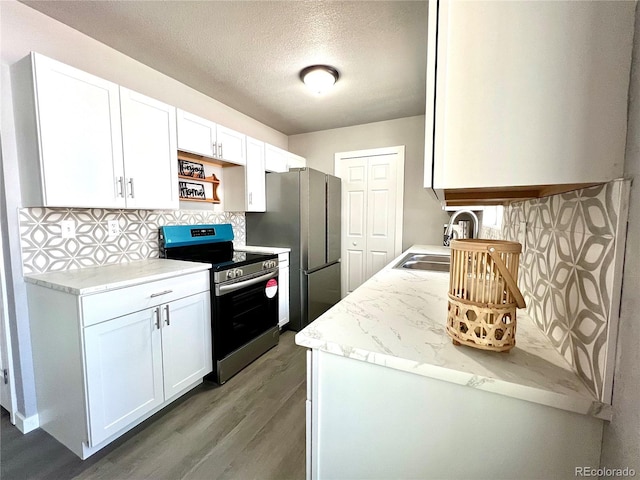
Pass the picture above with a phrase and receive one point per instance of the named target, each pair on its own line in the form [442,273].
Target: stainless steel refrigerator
[303,214]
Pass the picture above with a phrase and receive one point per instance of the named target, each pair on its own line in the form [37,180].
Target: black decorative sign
[192,190]
[191,169]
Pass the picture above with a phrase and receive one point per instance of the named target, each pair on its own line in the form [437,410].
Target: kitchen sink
[425,261]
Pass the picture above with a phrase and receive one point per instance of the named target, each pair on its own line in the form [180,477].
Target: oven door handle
[224,289]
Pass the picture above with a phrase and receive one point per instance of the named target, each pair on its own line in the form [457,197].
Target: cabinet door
[231,145]
[123,370]
[295,161]
[538,104]
[80,136]
[150,151]
[196,134]
[186,342]
[275,159]
[255,176]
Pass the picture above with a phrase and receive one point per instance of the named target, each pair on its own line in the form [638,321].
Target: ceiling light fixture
[319,78]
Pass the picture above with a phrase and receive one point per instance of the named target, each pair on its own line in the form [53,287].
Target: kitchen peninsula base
[369,421]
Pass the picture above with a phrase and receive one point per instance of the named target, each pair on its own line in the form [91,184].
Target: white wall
[22,30]
[423,216]
[621,440]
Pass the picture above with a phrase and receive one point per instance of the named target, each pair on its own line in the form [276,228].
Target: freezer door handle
[313,270]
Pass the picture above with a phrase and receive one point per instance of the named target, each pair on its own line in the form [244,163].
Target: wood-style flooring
[252,427]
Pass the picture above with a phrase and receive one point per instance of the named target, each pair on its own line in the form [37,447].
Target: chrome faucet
[457,213]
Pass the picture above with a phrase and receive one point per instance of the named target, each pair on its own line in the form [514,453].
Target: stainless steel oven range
[244,293]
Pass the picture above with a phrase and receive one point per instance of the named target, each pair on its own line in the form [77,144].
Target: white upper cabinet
[150,151]
[231,145]
[246,184]
[526,93]
[196,134]
[279,160]
[68,134]
[275,159]
[295,161]
[204,137]
[255,176]
[86,142]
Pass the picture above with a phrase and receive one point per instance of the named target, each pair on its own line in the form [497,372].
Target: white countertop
[110,277]
[258,249]
[397,319]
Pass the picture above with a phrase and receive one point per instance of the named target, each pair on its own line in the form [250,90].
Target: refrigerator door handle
[313,270]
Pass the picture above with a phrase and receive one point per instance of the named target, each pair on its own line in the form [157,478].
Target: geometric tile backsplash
[44,250]
[571,273]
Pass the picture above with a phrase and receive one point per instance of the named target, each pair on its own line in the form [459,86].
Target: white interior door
[372,195]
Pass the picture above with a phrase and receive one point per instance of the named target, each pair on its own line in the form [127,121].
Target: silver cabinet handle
[221,154]
[168,319]
[250,198]
[130,183]
[121,187]
[215,149]
[156,312]
[158,294]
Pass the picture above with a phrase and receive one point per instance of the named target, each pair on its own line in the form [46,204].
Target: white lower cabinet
[283,291]
[100,370]
[375,422]
[123,361]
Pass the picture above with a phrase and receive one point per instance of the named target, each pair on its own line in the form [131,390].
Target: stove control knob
[231,274]
[238,272]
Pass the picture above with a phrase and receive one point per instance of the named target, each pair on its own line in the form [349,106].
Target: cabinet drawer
[115,303]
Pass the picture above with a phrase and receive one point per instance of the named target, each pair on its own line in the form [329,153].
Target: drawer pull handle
[157,314]
[160,293]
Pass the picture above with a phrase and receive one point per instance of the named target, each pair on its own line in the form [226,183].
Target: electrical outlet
[113,228]
[68,228]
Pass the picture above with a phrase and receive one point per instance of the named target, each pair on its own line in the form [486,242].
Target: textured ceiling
[248,54]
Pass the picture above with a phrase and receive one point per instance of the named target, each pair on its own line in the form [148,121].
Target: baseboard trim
[27,424]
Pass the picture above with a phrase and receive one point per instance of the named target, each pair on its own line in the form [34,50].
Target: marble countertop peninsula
[258,249]
[90,280]
[397,319]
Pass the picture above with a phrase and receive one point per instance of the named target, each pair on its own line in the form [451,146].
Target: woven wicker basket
[483,294]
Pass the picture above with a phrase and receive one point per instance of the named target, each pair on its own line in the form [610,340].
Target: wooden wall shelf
[192,157]
[212,179]
[208,200]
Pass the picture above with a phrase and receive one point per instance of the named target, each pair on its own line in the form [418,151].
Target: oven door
[243,311]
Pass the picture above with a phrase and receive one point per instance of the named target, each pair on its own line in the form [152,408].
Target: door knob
[355,244]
